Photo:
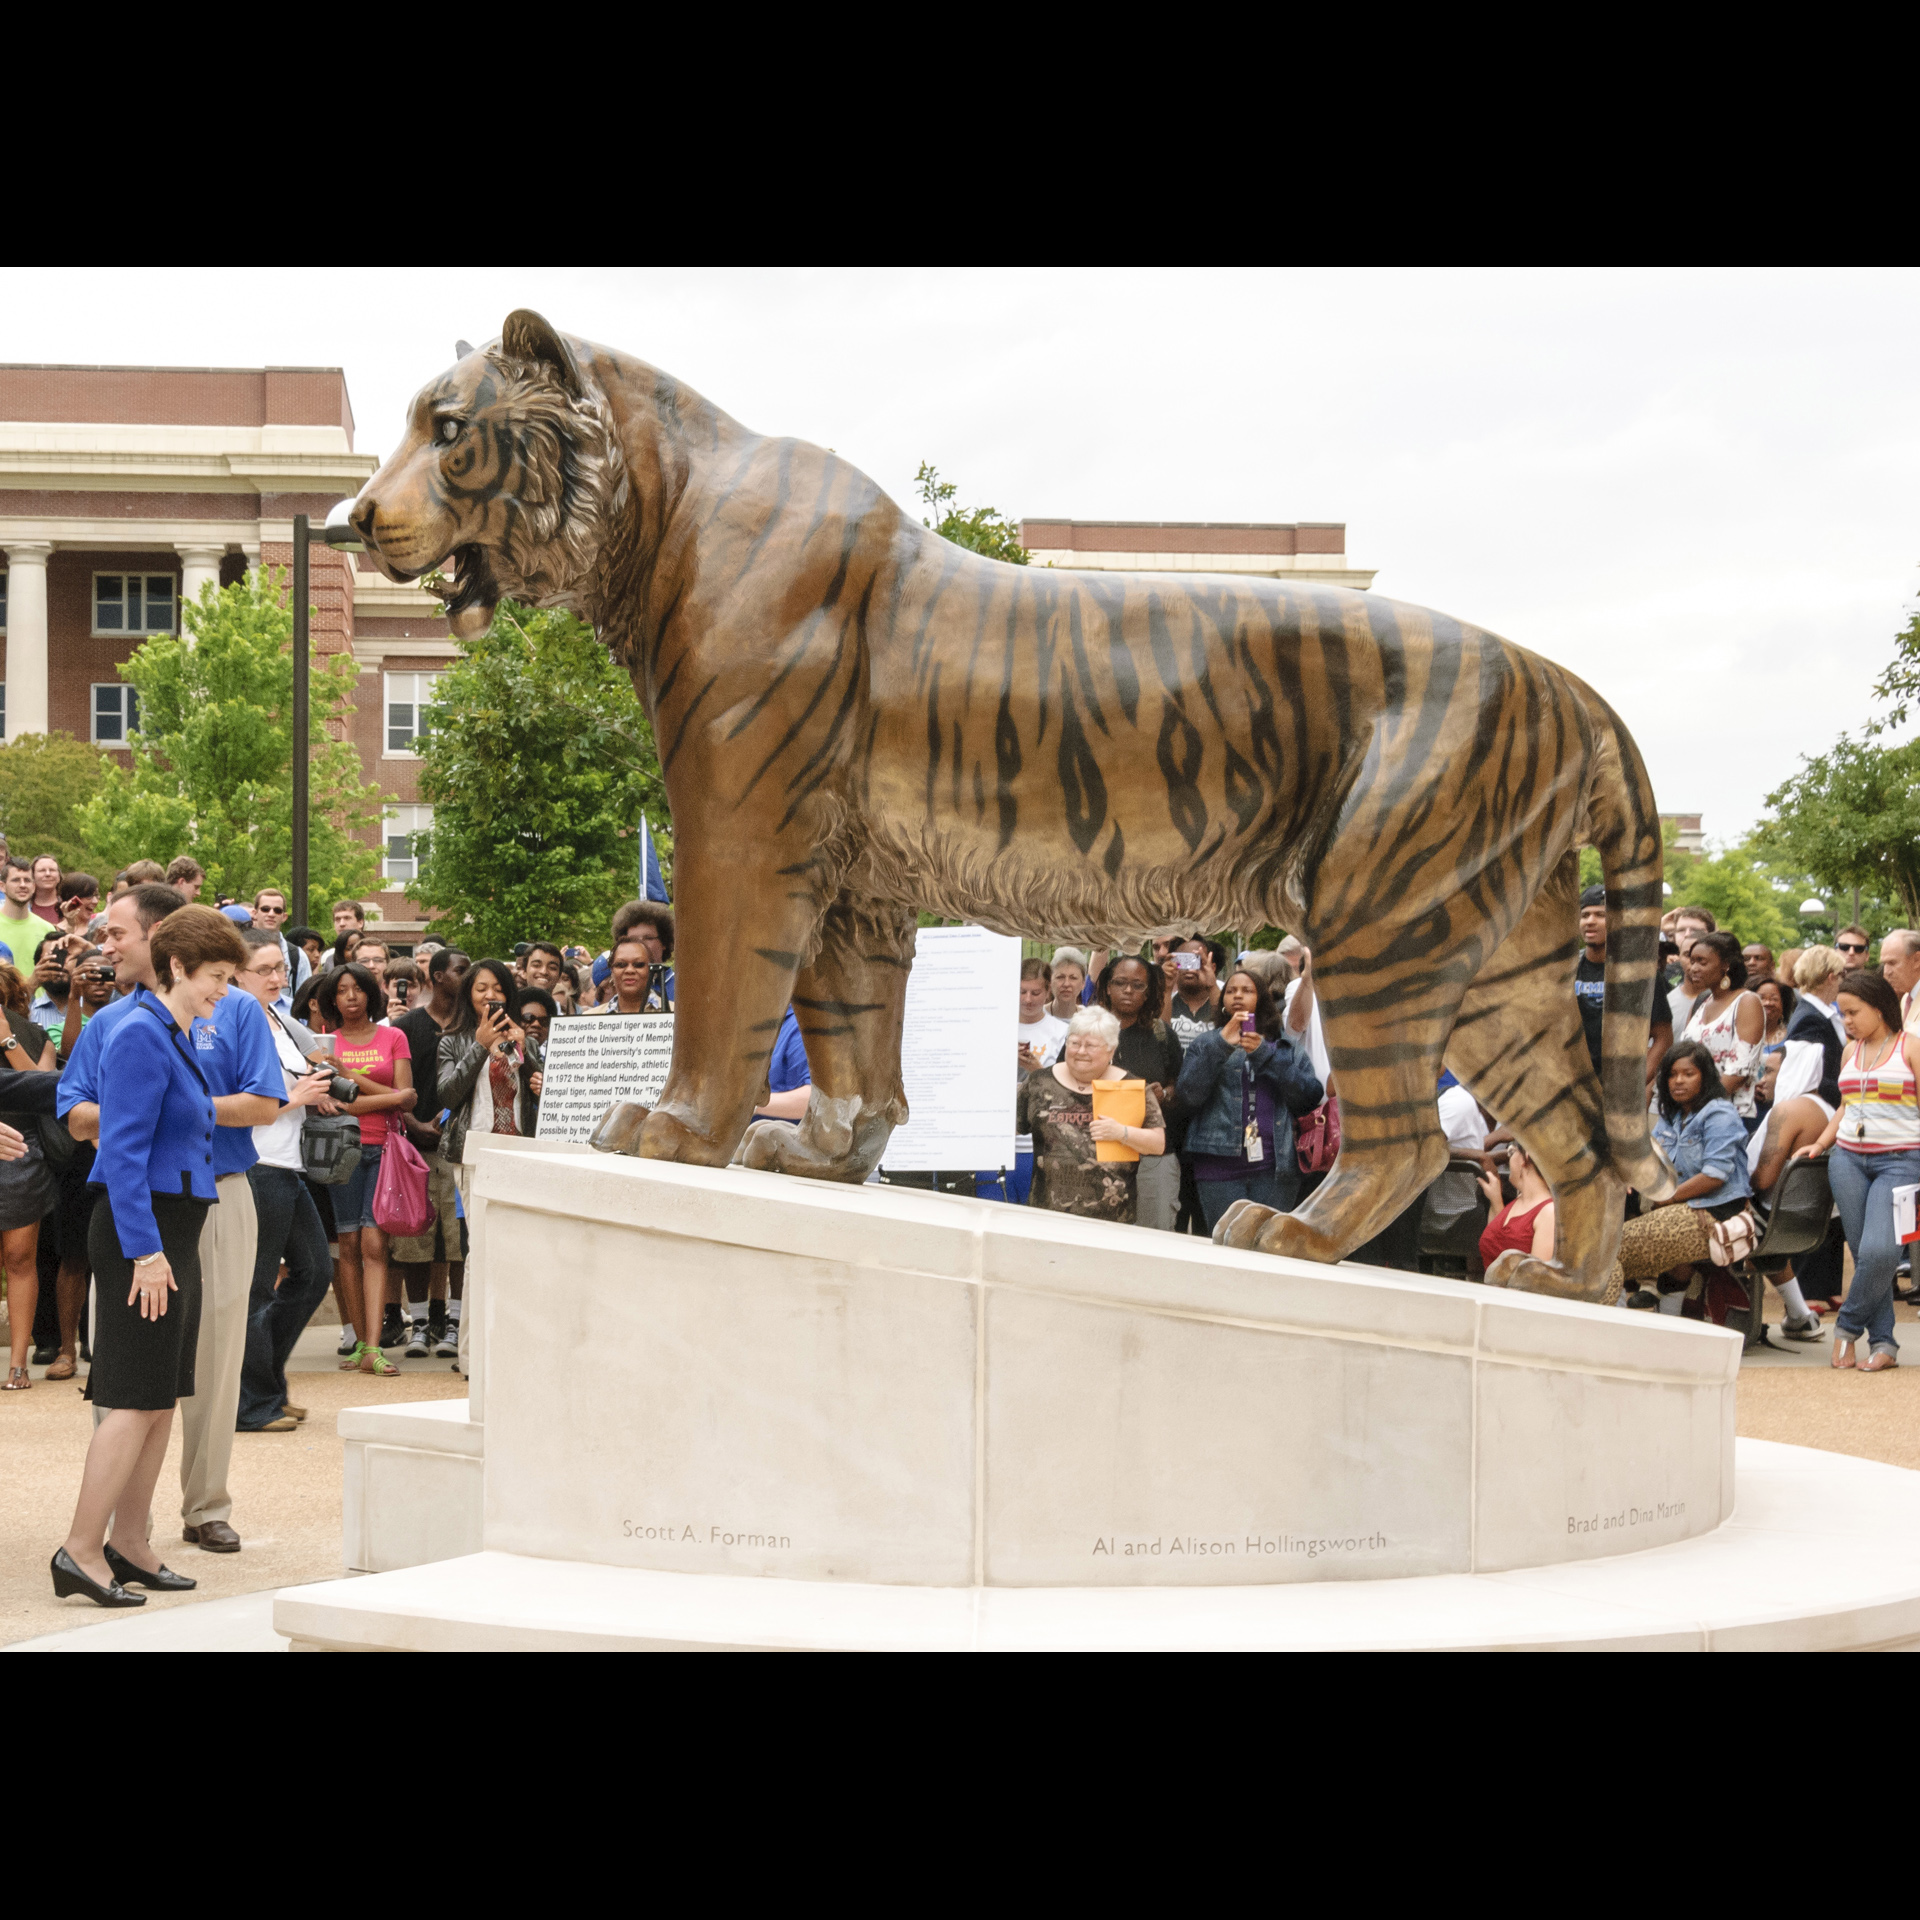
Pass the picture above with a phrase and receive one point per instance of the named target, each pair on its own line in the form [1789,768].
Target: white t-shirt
[1460,1121]
[1046,1036]
[278,1142]
[1315,1036]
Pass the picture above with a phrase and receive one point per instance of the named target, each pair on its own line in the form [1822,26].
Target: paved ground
[286,1490]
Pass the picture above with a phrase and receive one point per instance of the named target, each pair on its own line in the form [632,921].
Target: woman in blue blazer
[156,1166]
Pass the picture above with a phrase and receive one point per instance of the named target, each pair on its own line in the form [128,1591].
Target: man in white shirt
[290,1228]
[1900,963]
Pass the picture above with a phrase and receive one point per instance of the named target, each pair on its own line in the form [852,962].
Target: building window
[133,603]
[398,829]
[410,711]
[116,713]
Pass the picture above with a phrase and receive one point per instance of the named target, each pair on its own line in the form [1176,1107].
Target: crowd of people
[196,1106]
[1755,1062]
[198,1102]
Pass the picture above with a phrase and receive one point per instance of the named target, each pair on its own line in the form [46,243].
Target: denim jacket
[1714,1140]
[1212,1088]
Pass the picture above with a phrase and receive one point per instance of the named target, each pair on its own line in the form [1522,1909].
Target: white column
[198,565]
[27,638]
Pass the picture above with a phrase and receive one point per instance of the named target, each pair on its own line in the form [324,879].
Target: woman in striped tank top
[1876,1130]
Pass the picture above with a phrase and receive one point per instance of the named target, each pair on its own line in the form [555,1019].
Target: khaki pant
[1157,1191]
[227,1244]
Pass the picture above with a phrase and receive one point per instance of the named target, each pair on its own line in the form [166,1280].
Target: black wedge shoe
[67,1578]
[128,1575]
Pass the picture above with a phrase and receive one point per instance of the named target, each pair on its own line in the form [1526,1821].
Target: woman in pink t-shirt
[379,1060]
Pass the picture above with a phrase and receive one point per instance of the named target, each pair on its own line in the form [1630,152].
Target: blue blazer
[156,1122]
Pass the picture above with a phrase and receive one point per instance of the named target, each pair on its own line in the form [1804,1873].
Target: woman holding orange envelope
[1090,1124]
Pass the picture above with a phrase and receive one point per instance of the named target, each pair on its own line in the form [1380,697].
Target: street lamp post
[338,534]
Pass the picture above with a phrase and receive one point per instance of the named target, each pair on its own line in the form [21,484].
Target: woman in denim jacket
[1706,1142]
[1243,1083]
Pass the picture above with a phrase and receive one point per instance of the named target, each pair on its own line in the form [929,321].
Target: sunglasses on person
[279,913]
[631,966]
[1850,946]
[533,1017]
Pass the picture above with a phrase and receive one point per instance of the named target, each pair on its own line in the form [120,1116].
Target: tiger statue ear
[526,336]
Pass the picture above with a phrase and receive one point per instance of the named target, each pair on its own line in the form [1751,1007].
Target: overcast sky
[1699,491]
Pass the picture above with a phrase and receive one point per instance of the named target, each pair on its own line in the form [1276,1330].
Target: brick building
[122,489]
[1310,551]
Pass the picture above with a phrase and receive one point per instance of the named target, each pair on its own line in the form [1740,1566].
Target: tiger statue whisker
[858,720]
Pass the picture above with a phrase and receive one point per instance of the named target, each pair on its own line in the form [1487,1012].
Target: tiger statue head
[509,478]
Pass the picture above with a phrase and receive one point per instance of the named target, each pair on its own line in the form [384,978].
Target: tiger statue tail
[1624,827]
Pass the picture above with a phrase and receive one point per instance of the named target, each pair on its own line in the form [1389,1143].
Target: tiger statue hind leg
[1394,1008]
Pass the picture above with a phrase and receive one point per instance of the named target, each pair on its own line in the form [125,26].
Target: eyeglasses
[1850,946]
[631,966]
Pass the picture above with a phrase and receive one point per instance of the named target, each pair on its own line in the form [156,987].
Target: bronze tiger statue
[858,720]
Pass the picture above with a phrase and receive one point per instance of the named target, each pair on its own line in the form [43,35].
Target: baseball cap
[240,916]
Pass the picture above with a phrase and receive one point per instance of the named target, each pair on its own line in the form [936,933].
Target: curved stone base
[1822,1553]
[721,1372]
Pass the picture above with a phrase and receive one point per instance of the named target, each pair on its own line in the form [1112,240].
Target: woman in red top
[1527,1225]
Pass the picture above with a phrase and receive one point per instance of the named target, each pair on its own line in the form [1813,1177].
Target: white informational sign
[959,1054]
[593,1060]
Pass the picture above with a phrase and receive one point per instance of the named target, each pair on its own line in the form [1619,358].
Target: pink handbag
[401,1202]
[1316,1137]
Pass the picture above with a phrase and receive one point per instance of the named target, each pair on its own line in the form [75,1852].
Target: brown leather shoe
[212,1536]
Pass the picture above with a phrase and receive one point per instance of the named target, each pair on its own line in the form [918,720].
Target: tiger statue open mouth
[859,721]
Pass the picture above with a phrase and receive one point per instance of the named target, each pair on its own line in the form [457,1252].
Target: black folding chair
[1796,1225]
[1453,1215]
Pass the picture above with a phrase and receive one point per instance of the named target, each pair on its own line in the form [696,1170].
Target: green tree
[979,529]
[1744,895]
[45,781]
[538,767]
[212,770]
[1851,818]
[1900,683]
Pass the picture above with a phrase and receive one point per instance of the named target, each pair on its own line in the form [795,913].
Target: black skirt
[145,1365]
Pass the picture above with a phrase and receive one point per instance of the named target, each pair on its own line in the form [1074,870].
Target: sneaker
[447,1347]
[1807,1329]
[349,1343]
[1644,1301]
[393,1329]
[417,1345]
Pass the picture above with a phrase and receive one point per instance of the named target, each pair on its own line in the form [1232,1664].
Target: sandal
[18,1380]
[353,1359]
[1881,1362]
[373,1361]
[1843,1350]
[62,1368]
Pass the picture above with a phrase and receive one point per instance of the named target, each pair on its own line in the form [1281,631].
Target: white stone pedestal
[765,1402]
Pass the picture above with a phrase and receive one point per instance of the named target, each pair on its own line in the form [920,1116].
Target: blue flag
[652,886]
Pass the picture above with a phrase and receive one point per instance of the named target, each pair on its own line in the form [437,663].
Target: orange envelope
[1124,1101]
